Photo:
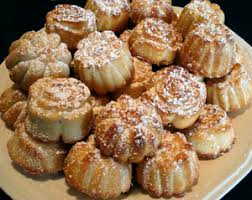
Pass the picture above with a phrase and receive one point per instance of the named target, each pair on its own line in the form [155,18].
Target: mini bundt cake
[13,106]
[71,22]
[36,55]
[103,62]
[198,11]
[177,95]
[155,41]
[232,92]
[128,130]
[161,9]
[212,134]
[87,171]
[59,109]
[209,50]
[173,170]
[33,156]
[138,85]
[110,14]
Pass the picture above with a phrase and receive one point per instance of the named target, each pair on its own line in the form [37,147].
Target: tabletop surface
[18,17]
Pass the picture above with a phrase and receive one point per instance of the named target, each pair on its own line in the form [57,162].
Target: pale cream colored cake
[212,134]
[59,109]
[232,92]
[103,62]
[36,55]
[33,156]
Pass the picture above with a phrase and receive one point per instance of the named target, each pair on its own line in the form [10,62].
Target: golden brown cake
[103,62]
[161,9]
[15,114]
[209,51]
[125,36]
[155,41]
[33,156]
[212,134]
[100,177]
[36,55]
[71,22]
[177,95]
[128,130]
[110,14]
[198,11]
[11,96]
[138,85]
[13,106]
[232,92]
[173,170]
[59,109]
[98,102]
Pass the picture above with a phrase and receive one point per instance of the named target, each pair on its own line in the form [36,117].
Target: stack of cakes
[154,98]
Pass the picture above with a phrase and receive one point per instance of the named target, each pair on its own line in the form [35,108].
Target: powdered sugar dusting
[210,32]
[125,119]
[163,34]
[98,49]
[59,95]
[205,9]
[177,92]
[74,14]
[112,7]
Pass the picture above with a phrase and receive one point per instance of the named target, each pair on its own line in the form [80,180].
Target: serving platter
[217,177]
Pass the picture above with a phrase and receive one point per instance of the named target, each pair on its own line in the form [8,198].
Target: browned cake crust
[212,134]
[35,157]
[98,102]
[125,36]
[71,22]
[209,50]
[103,62]
[87,171]
[142,74]
[232,92]
[59,109]
[177,95]
[110,14]
[13,106]
[11,96]
[128,130]
[173,170]
[15,114]
[198,11]
[36,55]
[155,41]
[161,9]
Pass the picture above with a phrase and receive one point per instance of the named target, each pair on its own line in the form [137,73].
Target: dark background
[19,16]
